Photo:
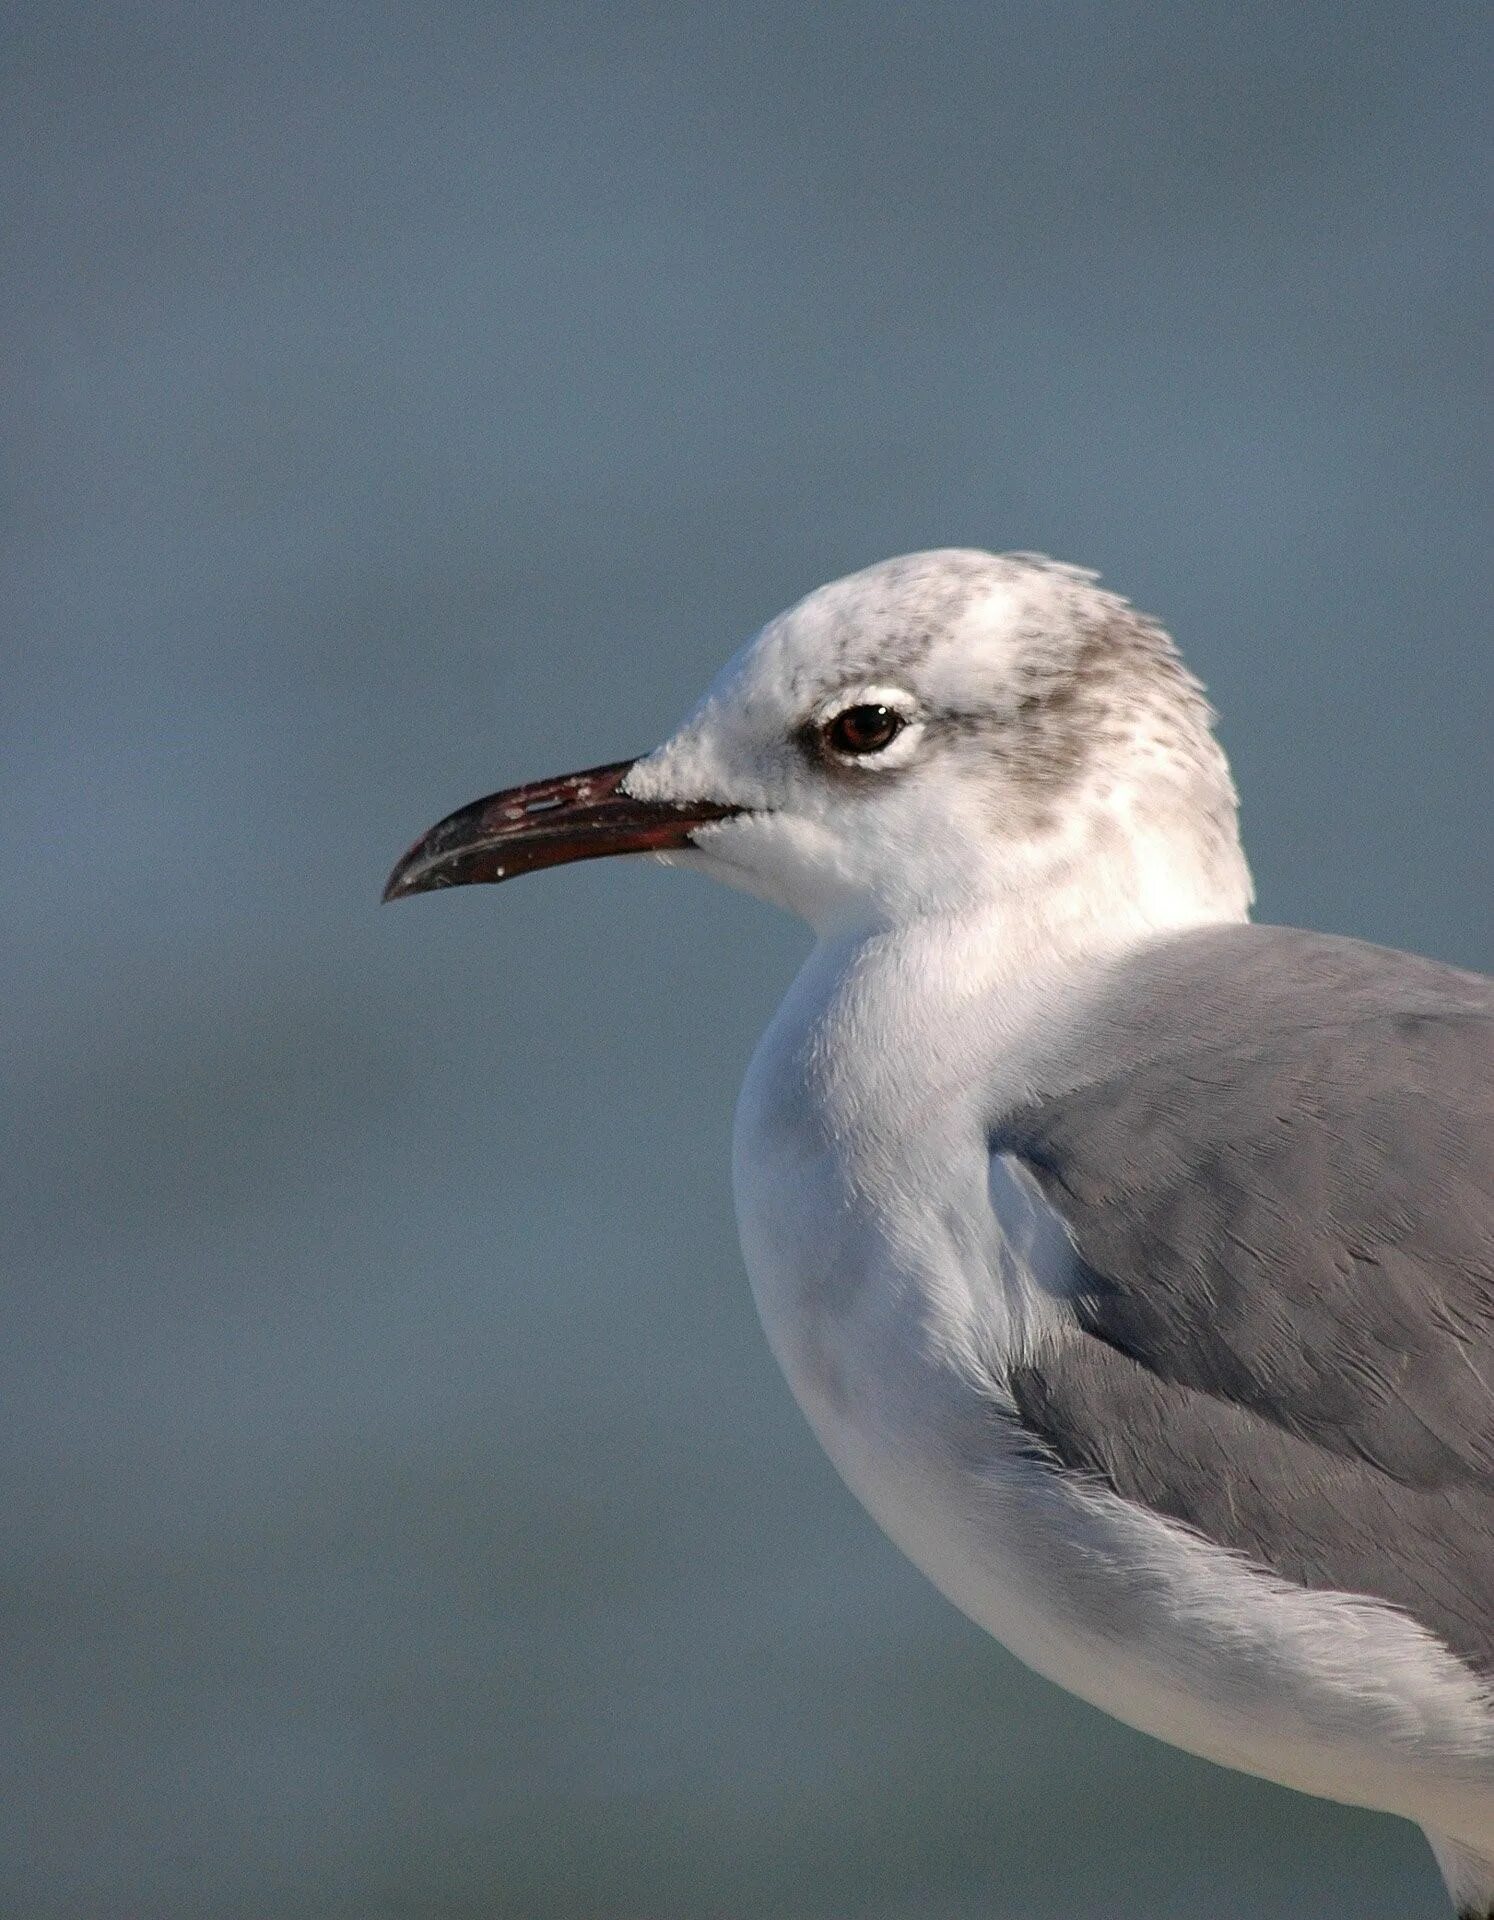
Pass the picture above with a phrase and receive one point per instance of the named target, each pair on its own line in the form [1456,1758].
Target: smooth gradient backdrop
[403,1517]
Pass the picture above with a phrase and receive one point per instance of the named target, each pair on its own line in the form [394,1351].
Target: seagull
[1132,1262]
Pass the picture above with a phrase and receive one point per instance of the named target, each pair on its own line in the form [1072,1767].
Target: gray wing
[1280,1190]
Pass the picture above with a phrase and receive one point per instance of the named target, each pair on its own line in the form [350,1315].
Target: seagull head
[945,733]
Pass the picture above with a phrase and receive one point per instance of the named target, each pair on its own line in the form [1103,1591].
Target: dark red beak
[579,816]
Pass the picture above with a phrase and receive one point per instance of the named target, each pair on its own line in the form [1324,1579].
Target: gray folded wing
[1278,1188]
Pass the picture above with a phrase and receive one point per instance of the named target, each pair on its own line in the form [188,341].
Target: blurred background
[404,1517]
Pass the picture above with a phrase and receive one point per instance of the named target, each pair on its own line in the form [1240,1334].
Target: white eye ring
[886,710]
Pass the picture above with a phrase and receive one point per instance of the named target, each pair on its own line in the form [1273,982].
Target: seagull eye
[862,730]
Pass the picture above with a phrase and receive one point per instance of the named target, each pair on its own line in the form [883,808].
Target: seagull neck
[974,1006]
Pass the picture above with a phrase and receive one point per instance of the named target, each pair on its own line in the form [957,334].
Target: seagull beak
[579,816]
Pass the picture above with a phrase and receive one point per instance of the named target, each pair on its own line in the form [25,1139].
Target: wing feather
[1278,1186]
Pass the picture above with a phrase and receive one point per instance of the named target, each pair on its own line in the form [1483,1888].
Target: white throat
[886,1024]
[874,1090]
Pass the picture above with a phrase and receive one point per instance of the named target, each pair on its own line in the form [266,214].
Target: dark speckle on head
[1119,679]
[1070,682]
[884,620]
[1080,676]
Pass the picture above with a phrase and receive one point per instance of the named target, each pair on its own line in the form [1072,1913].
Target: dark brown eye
[863,729]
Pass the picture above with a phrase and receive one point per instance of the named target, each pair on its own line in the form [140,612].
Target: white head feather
[1053,759]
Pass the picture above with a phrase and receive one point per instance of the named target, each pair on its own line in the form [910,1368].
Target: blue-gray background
[403,1515]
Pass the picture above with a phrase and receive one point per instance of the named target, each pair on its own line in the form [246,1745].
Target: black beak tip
[411,875]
